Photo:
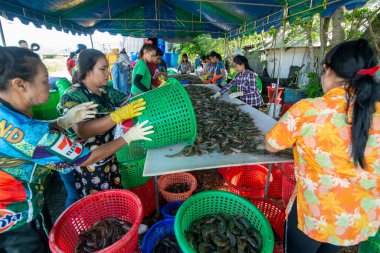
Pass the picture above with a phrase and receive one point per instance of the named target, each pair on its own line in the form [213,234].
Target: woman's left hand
[77,114]
[236,94]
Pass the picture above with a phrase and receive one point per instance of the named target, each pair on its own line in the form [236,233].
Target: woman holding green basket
[92,79]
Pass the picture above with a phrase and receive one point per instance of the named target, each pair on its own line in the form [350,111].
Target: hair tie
[371,71]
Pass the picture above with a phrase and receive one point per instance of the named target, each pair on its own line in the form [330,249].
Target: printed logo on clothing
[8,219]
[67,148]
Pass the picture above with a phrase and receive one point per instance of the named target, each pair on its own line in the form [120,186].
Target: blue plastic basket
[159,230]
[166,209]
[184,82]
[294,95]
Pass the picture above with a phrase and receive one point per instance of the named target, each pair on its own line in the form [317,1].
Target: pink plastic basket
[121,204]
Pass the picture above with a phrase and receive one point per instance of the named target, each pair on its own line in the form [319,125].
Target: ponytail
[353,61]
[367,94]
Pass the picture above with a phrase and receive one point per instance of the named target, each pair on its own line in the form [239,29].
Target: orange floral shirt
[337,202]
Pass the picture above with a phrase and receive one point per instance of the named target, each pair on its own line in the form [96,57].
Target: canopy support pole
[225,48]
[92,43]
[2,35]
[280,62]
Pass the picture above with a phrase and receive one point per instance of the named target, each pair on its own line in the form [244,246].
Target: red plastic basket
[166,180]
[273,212]
[147,195]
[275,186]
[247,180]
[222,171]
[288,182]
[121,204]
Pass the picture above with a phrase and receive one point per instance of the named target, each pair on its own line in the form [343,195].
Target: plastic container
[271,108]
[62,85]
[159,230]
[184,82]
[167,209]
[166,180]
[222,171]
[285,108]
[273,212]
[161,44]
[271,93]
[170,111]
[147,196]
[174,60]
[294,95]
[247,180]
[288,182]
[259,84]
[166,58]
[214,202]
[49,110]
[131,174]
[84,213]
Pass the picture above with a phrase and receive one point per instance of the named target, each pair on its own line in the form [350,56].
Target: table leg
[268,180]
[155,178]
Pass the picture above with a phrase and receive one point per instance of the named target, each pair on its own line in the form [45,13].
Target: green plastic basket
[62,85]
[372,245]
[49,110]
[131,174]
[170,111]
[131,153]
[212,202]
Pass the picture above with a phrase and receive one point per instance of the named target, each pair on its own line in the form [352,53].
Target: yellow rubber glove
[128,111]
[205,77]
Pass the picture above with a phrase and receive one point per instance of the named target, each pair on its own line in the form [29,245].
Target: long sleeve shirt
[246,83]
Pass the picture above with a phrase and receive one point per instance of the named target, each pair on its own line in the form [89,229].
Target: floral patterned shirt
[337,202]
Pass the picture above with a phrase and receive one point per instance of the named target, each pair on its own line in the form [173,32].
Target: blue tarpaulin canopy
[173,20]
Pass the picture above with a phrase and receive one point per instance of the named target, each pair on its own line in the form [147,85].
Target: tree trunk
[310,63]
[323,29]
[338,26]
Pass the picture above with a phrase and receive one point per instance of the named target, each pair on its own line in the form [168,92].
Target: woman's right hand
[128,111]
[138,132]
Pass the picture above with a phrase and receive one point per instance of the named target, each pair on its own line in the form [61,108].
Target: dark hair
[203,57]
[242,60]
[159,52]
[22,41]
[148,48]
[215,54]
[72,54]
[17,62]
[123,51]
[86,61]
[346,59]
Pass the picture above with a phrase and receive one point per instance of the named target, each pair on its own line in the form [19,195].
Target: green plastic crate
[62,85]
[170,111]
[132,152]
[213,202]
[49,110]
[131,174]
[372,245]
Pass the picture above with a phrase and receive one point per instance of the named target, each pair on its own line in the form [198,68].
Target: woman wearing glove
[245,80]
[219,71]
[92,86]
[30,149]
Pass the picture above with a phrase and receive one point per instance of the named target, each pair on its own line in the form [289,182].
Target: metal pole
[2,35]
[280,61]
[268,180]
[92,43]
[155,178]
[225,48]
